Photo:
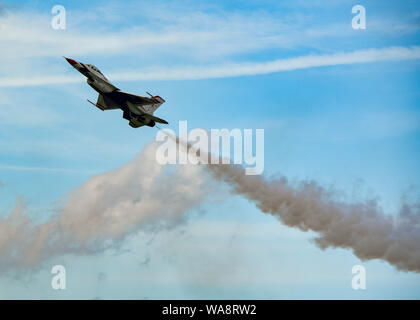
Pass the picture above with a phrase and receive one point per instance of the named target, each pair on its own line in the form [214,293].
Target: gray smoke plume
[361,227]
[142,194]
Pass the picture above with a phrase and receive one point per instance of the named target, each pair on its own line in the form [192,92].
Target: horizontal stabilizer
[155,119]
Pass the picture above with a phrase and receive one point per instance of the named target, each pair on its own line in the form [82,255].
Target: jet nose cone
[71,61]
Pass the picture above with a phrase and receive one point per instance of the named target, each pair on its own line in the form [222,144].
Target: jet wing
[122,97]
[106,103]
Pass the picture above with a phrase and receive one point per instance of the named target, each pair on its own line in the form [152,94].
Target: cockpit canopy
[94,68]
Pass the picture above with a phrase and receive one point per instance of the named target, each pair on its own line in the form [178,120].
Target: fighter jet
[136,109]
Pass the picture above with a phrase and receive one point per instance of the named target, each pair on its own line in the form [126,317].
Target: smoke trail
[361,227]
[107,208]
[103,211]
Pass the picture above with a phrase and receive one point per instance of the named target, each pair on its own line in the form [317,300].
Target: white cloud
[193,41]
[234,69]
[254,68]
[194,33]
[43,169]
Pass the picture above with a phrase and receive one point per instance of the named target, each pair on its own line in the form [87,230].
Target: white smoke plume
[143,194]
[103,211]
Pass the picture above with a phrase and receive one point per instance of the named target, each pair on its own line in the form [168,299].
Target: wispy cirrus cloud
[154,31]
[234,69]
[180,34]
[43,169]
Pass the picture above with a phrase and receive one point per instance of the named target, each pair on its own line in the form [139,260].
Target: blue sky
[351,125]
